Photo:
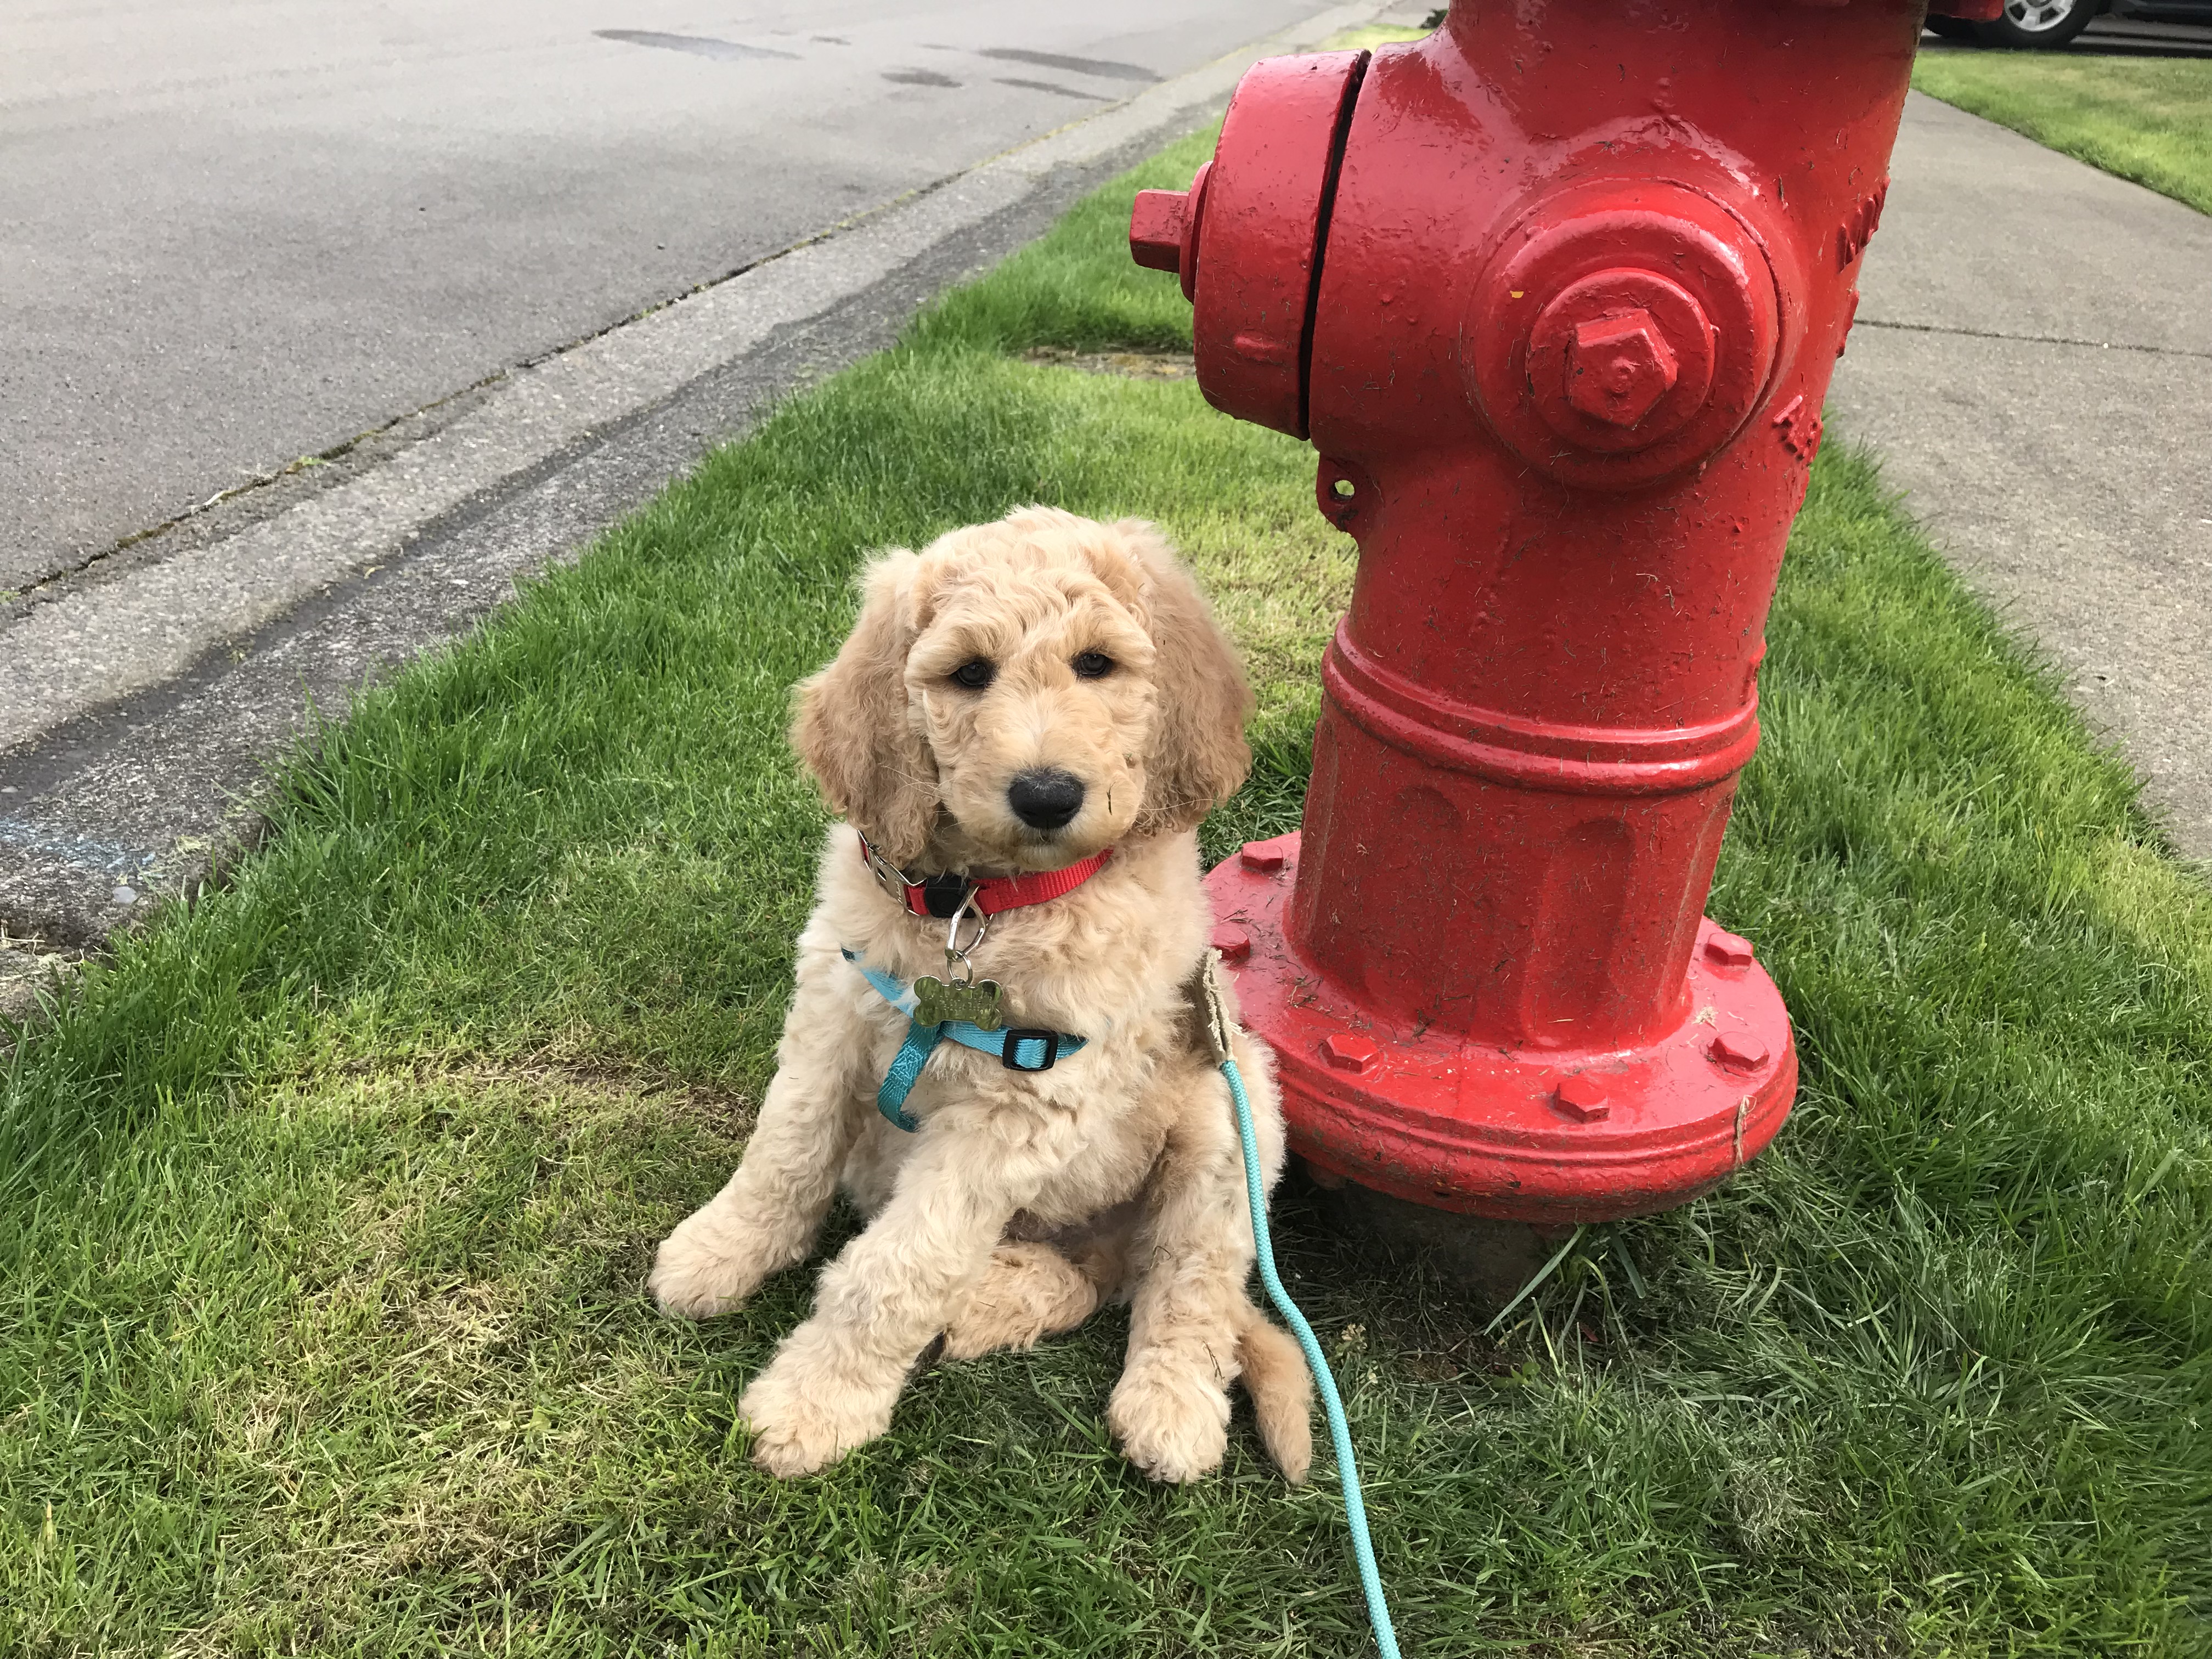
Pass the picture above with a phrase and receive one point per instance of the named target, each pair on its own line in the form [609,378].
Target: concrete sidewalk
[2033,360]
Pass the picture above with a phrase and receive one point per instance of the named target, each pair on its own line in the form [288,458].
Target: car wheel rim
[2038,16]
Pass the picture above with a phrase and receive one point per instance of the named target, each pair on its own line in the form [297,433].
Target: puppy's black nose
[1045,800]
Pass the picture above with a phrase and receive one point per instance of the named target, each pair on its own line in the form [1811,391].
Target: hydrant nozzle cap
[1164,229]
[1156,228]
[1620,366]
[1622,328]
[1620,359]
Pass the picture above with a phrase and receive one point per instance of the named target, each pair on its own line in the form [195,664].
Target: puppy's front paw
[802,1421]
[1173,1425]
[705,1268]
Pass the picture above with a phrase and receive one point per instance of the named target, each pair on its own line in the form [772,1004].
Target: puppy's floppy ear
[853,729]
[1200,700]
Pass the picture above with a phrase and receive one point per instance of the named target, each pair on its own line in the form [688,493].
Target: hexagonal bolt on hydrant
[1556,292]
[1620,367]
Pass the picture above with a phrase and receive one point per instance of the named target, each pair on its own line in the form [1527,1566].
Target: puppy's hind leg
[765,1218]
[1029,1291]
[1039,1287]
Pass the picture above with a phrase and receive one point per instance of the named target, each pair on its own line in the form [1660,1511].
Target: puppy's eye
[1093,666]
[975,674]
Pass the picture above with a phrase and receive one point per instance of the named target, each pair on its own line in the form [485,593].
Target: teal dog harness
[1019,1047]
[960,1006]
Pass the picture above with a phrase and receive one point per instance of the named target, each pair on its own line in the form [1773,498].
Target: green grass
[324,1209]
[2145,118]
[1369,37]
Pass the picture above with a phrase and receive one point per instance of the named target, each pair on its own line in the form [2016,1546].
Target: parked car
[2054,23]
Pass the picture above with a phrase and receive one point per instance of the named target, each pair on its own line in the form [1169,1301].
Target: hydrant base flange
[1555,1135]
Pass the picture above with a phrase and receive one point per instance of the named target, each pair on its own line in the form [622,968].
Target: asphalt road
[232,235]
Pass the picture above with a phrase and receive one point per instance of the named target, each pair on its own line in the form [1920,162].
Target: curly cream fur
[1025,1199]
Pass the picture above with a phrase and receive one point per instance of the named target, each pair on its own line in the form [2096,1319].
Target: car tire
[2037,24]
[1951,29]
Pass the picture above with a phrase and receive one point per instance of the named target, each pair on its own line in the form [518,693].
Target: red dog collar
[944,896]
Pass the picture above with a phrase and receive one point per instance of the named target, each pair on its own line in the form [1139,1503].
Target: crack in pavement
[2028,339]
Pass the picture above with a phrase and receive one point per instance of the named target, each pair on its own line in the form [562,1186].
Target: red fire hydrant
[1556,292]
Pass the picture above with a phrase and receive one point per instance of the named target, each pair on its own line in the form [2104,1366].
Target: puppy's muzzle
[1045,799]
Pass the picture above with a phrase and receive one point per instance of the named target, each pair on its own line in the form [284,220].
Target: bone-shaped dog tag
[974,1003]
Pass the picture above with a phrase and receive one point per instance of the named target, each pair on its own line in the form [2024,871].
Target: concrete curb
[139,700]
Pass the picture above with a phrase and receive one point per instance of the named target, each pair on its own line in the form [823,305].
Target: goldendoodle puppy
[1021,733]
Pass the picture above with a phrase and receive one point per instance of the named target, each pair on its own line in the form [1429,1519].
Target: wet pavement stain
[1104,68]
[699,46]
[1050,85]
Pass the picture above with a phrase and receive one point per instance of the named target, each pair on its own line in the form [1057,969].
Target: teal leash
[1013,1048]
[1347,1468]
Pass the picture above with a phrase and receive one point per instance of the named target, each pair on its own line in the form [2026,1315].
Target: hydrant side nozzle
[1638,320]
[1256,217]
[1164,229]
[1156,227]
